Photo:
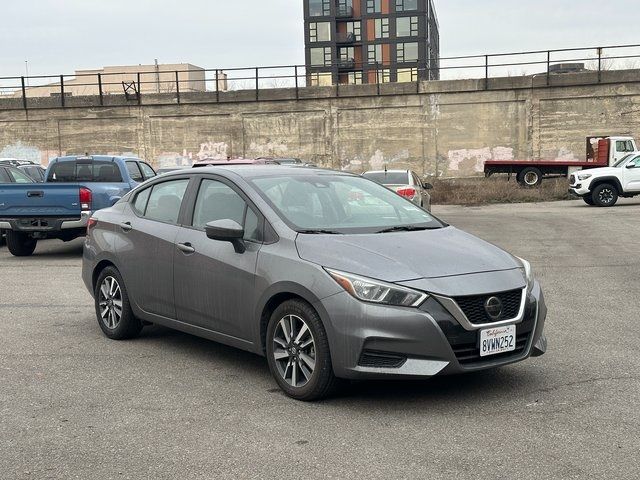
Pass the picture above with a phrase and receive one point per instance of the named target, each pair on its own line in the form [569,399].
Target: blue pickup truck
[60,207]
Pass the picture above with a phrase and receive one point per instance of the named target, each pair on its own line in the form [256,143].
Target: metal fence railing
[219,84]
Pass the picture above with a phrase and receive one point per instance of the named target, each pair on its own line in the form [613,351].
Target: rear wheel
[20,244]
[2,232]
[605,195]
[298,352]
[530,177]
[113,309]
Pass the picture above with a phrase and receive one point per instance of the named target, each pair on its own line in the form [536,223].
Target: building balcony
[344,12]
[346,64]
[346,38]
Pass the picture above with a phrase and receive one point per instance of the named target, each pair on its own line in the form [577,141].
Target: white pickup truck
[603,186]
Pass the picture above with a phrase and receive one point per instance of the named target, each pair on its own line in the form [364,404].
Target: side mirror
[631,165]
[227,231]
[427,186]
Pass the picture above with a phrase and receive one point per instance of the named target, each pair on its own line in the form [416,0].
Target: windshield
[332,203]
[388,178]
[622,160]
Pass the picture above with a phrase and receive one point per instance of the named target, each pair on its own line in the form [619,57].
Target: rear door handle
[186,248]
[126,226]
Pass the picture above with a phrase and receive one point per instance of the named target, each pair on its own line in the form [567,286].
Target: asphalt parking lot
[74,404]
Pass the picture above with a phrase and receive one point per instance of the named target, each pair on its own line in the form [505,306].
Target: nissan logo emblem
[493,307]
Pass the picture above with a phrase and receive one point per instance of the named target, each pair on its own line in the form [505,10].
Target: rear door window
[147,171]
[95,171]
[165,201]
[4,176]
[19,177]
[134,171]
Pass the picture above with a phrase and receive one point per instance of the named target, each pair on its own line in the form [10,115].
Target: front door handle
[186,248]
[126,226]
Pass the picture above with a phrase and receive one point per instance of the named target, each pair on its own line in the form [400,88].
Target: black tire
[2,233]
[20,244]
[127,326]
[530,177]
[321,382]
[605,195]
[588,199]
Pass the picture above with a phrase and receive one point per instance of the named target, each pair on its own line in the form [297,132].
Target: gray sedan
[327,274]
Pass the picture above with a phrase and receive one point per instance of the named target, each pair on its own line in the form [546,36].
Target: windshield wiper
[319,232]
[406,228]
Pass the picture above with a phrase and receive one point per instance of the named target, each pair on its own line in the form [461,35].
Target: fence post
[100,89]
[486,72]
[296,74]
[548,68]
[24,94]
[62,90]
[177,88]
[599,64]
[217,86]
[139,91]
[257,84]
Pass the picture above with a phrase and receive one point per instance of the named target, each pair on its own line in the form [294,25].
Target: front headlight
[376,291]
[584,176]
[528,273]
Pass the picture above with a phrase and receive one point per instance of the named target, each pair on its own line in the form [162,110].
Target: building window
[355,29]
[407,75]
[346,53]
[374,6]
[406,5]
[320,32]
[355,78]
[384,75]
[320,57]
[319,8]
[407,27]
[374,54]
[382,27]
[407,52]
[322,79]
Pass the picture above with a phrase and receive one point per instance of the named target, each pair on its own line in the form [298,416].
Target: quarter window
[147,171]
[165,201]
[19,177]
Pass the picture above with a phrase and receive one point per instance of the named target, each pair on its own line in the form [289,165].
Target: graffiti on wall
[209,149]
[472,160]
[377,161]
[22,151]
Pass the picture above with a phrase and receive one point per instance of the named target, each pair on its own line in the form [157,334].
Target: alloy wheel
[606,196]
[294,350]
[110,301]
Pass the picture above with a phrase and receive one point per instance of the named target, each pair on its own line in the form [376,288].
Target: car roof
[97,158]
[258,170]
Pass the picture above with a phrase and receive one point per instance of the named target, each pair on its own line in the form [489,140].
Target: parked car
[163,170]
[405,183]
[9,174]
[36,172]
[288,161]
[603,186]
[327,274]
[59,208]
[217,162]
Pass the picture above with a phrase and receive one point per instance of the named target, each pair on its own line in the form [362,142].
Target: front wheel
[298,352]
[20,244]
[605,195]
[588,199]
[113,309]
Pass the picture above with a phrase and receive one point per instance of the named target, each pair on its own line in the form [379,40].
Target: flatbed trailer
[601,152]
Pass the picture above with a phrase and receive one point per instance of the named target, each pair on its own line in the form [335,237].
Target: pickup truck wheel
[2,232]
[530,177]
[20,244]
[113,310]
[605,195]
[588,199]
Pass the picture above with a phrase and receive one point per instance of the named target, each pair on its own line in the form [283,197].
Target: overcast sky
[60,36]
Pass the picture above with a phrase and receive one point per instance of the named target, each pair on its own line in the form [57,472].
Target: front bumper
[424,342]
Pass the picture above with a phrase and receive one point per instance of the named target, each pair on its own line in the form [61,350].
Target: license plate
[497,340]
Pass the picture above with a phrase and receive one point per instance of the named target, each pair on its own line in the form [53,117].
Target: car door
[145,243]
[631,175]
[214,285]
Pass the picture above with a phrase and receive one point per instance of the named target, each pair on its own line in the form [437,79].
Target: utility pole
[157,77]
[26,68]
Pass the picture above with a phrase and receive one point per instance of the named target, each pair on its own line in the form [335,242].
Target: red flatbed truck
[602,151]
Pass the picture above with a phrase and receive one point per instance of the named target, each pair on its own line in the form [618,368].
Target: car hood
[600,171]
[405,256]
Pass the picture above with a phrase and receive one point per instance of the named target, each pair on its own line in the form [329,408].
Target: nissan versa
[327,274]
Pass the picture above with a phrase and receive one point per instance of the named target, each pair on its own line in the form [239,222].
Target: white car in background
[405,183]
